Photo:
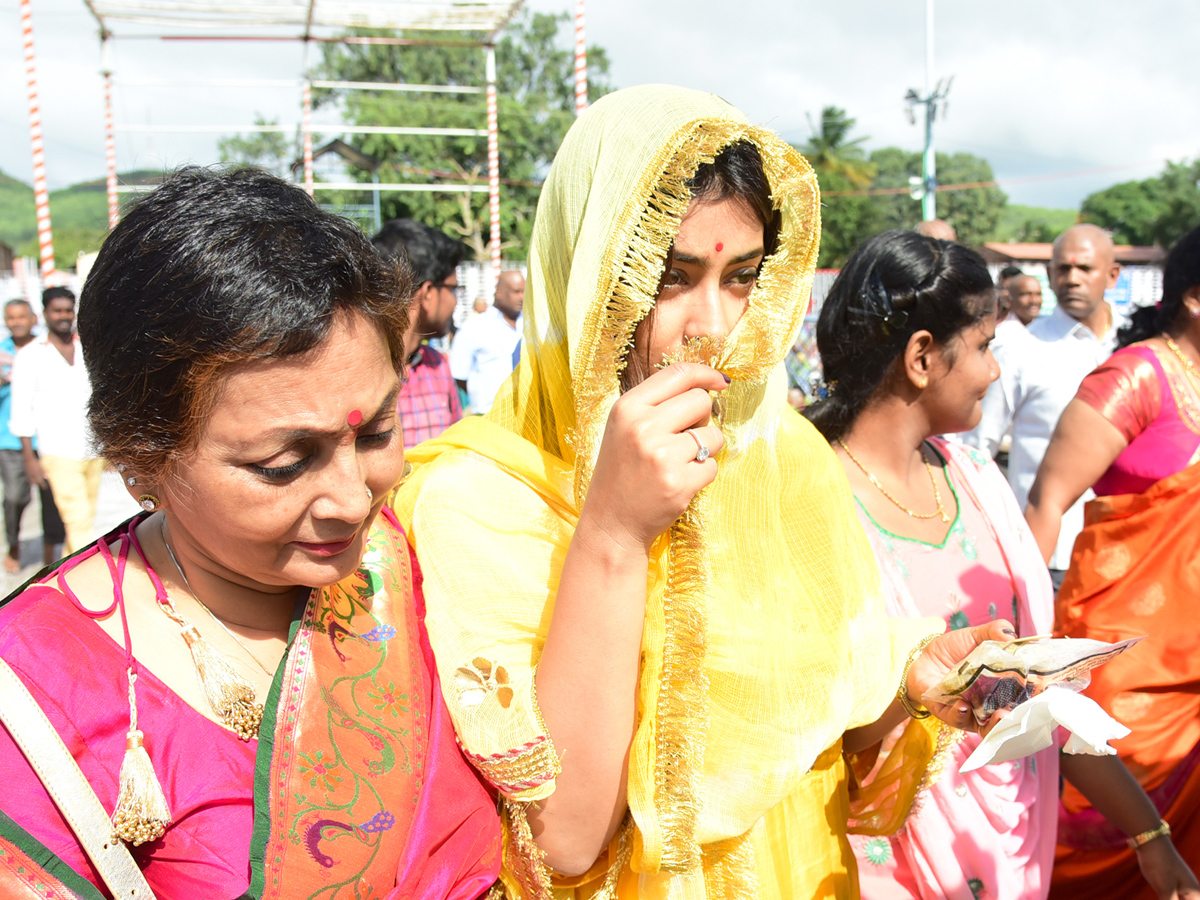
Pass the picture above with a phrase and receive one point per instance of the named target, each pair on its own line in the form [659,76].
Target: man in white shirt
[1041,368]
[50,391]
[481,357]
[1024,299]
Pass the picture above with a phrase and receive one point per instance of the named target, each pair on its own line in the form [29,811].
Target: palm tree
[830,151]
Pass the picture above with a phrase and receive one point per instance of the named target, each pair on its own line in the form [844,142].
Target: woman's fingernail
[1009,631]
[728,380]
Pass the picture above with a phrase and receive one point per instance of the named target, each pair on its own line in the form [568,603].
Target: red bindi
[354,419]
[720,247]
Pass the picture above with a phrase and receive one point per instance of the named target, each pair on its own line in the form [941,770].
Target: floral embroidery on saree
[349,736]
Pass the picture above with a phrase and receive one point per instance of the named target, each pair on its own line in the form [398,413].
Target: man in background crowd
[19,320]
[1024,299]
[50,391]
[482,355]
[939,229]
[428,402]
[1038,381]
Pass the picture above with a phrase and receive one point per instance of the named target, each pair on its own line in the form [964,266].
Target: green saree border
[261,835]
[44,857]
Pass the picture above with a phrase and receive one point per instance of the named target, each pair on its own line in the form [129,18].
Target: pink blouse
[1147,394]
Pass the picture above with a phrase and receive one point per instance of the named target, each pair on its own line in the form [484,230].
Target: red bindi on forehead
[720,246]
[354,419]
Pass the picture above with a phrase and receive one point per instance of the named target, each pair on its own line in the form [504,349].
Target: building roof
[304,19]
[995,252]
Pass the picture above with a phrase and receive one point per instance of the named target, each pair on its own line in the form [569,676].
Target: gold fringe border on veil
[633,262]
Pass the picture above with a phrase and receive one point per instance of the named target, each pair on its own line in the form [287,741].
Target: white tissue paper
[1029,727]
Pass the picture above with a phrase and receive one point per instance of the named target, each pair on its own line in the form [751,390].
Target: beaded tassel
[229,694]
[141,813]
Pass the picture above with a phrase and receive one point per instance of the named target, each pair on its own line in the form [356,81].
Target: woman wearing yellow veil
[653,626]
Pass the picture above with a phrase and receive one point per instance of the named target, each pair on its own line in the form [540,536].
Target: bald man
[1038,381]
[1024,299]
[482,355]
[937,228]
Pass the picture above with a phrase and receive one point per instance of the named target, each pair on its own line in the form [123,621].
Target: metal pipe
[493,132]
[581,83]
[41,196]
[929,160]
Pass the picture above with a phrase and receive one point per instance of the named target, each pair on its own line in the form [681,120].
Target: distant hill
[78,215]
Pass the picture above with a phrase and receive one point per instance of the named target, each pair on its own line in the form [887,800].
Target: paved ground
[114,506]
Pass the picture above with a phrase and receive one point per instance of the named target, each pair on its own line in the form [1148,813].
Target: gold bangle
[1139,840]
[902,692]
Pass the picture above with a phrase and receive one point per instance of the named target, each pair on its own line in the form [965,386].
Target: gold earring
[148,502]
[924,383]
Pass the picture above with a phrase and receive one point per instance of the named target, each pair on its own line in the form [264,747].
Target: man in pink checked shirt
[428,403]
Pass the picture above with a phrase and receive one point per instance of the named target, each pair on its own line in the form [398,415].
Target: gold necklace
[937,494]
[196,597]
[1187,363]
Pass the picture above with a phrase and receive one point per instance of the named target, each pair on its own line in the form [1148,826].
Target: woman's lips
[328,549]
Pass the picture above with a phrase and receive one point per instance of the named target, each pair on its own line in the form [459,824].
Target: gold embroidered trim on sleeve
[521,769]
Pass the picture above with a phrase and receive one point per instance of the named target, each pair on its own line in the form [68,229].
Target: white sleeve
[24,386]
[462,352]
[999,404]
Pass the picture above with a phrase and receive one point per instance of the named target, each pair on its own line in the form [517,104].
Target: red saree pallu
[1136,571]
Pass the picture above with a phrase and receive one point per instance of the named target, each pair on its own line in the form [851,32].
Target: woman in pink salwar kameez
[903,337]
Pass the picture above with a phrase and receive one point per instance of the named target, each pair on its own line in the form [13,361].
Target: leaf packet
[1004,674]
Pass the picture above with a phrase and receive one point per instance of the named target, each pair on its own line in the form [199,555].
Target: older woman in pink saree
[301,748]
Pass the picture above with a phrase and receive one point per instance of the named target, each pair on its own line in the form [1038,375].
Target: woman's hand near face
[646,473]
[645,477]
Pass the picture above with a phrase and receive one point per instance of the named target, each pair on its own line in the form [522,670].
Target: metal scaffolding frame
[312,22]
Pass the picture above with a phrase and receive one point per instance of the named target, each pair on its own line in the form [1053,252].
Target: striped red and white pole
[41,197]
[308,154]
[581,100]
[110,153]
[493,127]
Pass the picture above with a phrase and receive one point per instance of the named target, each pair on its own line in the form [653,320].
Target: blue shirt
[8,441]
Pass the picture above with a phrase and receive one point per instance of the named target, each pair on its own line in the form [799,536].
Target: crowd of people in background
[625,623]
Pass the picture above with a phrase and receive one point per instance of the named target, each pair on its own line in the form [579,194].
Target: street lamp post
[925,187]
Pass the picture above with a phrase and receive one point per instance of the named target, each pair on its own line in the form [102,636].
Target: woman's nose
[707,311]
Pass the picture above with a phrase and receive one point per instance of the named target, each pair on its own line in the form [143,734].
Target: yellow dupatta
[765,636]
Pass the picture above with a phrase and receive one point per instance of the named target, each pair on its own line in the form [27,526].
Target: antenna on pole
[925,187]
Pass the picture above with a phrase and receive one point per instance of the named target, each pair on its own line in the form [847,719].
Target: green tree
[841,165]
[1181,186]
[536,94]
[269,149]
[1129,210]
[974,212]
[830,149]
[1157,210]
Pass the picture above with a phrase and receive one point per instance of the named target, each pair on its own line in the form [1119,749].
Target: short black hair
[212,269]
[430,254]
[57,293]
[1009,272]
[893,285]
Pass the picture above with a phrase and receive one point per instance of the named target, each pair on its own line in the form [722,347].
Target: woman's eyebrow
[701,260]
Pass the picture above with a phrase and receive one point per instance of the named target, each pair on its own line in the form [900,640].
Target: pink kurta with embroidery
[989,834]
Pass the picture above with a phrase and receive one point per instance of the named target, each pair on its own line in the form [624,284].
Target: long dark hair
[737,171]
[1181,272]
[895,284]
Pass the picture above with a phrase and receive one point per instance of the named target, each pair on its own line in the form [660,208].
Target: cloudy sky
[1041,87]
